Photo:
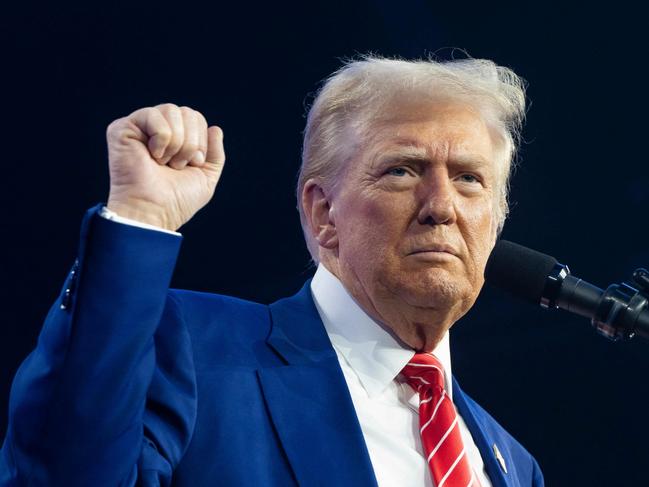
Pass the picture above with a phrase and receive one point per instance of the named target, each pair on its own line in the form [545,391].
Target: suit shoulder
[199,298]
[217,323]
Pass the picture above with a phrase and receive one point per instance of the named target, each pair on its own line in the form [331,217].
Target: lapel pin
[499,457]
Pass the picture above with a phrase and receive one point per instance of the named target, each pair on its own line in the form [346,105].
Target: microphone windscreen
[519,270]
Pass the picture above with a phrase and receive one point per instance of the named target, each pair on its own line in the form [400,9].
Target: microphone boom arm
[618,313]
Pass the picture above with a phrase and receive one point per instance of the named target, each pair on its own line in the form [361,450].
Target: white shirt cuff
[111,215]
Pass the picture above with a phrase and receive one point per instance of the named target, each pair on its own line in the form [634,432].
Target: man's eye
[469,178]
[397,171]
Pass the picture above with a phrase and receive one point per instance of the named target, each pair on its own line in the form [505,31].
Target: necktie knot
[424,371]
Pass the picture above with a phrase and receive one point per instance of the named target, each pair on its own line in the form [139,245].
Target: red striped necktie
[438,424]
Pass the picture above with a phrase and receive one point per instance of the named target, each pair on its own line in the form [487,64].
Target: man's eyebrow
[407,151]
[475,161]
[418,153]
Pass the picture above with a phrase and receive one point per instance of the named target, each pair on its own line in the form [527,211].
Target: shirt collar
[371,351]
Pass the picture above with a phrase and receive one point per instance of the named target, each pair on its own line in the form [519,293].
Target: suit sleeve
[108,396]
[537,475]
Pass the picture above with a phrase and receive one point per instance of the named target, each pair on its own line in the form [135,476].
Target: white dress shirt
[371,359]
[111,215]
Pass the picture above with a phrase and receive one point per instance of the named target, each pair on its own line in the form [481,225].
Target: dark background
[575,400]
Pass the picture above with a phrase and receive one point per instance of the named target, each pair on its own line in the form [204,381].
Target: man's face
[414,210]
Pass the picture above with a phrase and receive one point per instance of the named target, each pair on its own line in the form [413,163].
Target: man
[402,193]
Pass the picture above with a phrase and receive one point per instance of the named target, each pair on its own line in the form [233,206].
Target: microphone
[619,312]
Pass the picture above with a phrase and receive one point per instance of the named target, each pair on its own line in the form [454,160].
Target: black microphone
[620,311]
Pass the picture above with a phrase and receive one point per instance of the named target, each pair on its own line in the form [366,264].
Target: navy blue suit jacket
[135,384]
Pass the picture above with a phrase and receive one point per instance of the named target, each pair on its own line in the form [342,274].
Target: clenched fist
[164,164]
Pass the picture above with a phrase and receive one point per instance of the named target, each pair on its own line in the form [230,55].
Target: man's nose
[437,200]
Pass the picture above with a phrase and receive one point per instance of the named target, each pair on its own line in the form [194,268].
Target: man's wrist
[112,215]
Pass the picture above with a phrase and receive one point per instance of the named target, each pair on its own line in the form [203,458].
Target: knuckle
[115,128]
[174,144]
[167,106]
[186,109]
[172,113]
[112,126]
[164,134]
[177,132]
[190,148]
[152,112]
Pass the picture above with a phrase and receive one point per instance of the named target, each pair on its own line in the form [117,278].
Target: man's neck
[419,328]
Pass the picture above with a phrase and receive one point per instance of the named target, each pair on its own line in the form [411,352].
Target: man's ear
[319,214]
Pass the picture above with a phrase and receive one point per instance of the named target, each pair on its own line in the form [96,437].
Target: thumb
[215,157]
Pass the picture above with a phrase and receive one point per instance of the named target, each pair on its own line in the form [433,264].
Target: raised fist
[164,164]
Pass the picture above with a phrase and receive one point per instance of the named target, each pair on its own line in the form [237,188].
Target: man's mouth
[435,248]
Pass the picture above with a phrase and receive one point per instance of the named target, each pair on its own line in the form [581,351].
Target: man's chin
[436,288]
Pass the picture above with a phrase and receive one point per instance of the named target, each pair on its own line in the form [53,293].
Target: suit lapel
[485,439]
[309,401]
